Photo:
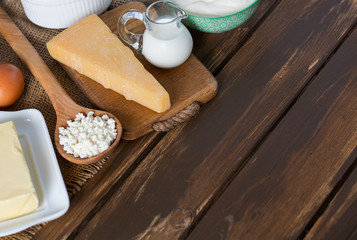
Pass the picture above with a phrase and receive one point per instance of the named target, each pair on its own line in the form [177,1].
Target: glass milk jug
[166,42]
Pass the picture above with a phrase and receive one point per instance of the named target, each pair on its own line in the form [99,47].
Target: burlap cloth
[35,97]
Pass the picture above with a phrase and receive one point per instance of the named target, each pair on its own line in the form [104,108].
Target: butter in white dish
[17,193]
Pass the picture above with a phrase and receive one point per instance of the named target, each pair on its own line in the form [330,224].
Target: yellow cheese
[93,50]
[17,193]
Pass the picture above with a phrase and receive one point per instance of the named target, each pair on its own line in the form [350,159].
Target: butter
[17,193]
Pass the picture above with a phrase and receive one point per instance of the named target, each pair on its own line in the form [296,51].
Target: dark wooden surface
[311,144]
[272,156]
[340,217]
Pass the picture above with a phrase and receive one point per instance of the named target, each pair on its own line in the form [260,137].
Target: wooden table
[272,156]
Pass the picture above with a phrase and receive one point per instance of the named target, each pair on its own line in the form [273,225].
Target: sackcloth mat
[34,96]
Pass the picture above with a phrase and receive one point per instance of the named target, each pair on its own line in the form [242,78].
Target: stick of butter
[17,193]
[90,48]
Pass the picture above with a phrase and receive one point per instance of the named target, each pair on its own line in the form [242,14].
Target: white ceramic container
[61,13]
[44,169]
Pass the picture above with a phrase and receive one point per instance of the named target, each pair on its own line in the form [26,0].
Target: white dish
[61,13]
[45,172]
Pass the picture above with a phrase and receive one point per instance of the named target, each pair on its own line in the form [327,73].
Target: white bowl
[61,13]
[222,23]
[45,172]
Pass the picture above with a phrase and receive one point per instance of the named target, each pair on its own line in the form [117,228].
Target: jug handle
[133,39]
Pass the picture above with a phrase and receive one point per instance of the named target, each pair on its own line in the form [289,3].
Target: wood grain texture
[353,235]
[339,221]
[185,172]
[95,190]
[187,83]
[215,50]
[295,169]
[120,164]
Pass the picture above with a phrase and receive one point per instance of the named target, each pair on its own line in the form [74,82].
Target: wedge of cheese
[90,48]
[17,193]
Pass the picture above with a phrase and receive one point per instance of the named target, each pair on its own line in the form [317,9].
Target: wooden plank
[95,190]
[127,156]
[353,235]
[179,179]
[215,50]
[339,221]
[296,168]
[191,82]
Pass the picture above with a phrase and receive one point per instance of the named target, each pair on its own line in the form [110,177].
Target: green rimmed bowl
[221,24]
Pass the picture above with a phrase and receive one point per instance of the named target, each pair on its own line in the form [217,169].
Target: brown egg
[11,84]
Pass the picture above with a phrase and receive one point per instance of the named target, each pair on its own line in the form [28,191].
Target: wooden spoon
[65,107]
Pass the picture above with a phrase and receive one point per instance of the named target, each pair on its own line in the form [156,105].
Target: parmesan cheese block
[90,48]
[17,193]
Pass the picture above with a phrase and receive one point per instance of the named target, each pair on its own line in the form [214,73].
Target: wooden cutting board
[185,84]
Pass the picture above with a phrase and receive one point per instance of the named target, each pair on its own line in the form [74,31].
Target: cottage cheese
[88,136]
[213,8]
